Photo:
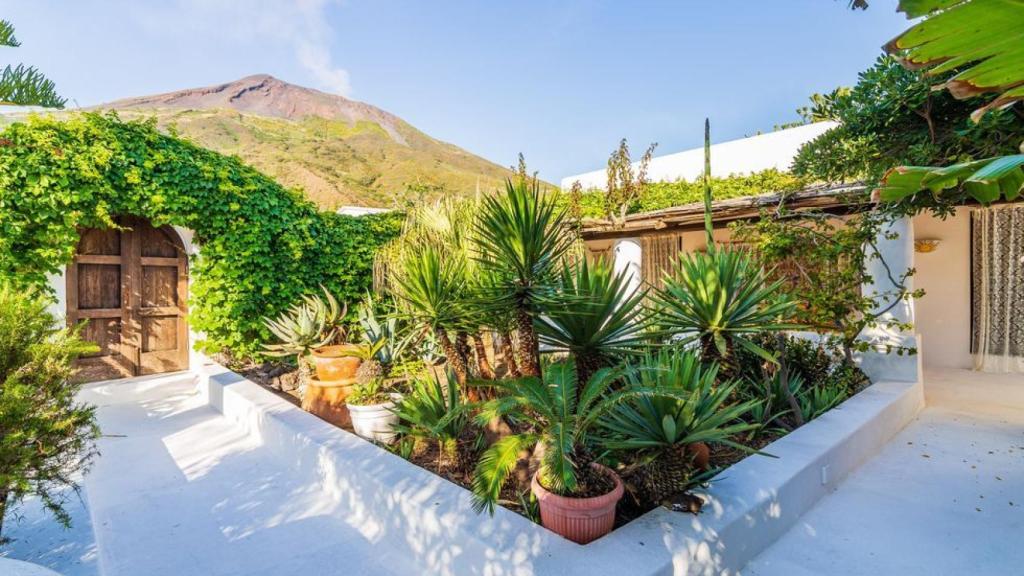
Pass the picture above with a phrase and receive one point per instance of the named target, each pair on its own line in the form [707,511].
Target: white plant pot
[374,422]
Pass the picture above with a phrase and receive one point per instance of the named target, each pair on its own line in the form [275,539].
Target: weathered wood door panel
[131,287]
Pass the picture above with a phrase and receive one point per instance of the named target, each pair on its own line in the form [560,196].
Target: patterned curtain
[997,284]
[658,256]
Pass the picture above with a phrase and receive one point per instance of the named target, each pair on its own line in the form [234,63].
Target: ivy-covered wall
[261,245]
[658,195]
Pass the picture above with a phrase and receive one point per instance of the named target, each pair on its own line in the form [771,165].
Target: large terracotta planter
[338,362]
[326,399]
[581,520]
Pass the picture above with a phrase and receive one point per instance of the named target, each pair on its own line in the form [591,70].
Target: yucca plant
[596,316]
[721,299]
[558,412]
[521,238]
[434,413]
[662,432]
[431,289]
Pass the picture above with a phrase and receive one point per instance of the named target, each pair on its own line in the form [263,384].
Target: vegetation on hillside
[334,162]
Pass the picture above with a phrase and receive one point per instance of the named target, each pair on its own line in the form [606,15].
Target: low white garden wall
[409,511]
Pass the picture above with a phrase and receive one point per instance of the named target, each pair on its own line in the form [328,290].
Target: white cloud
[297,25]
[316,59]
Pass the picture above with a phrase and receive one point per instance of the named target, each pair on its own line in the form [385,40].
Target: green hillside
[335,162]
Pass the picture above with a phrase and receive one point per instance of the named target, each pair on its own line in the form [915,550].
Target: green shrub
[46,438]
[262,246]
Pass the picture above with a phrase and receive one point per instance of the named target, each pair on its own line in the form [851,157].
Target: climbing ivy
[261,244]
[658,195]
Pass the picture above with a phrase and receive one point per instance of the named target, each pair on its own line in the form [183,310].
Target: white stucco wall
[943,315]
[743,156]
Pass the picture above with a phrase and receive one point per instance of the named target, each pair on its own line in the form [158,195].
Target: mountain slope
[337,150]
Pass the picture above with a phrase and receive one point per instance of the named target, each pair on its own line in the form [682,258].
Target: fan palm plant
[721,299]
[665,433]
[522,237]
[432,289]
[432,412]
[559,413]
[597,316]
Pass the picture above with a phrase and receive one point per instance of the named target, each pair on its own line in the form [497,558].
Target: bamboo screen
[659,254]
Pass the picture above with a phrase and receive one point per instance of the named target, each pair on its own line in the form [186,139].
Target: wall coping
[430,521]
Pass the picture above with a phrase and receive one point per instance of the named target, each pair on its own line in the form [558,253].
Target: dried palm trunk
[454,359]
[509,353]
[529,362]
[482,364]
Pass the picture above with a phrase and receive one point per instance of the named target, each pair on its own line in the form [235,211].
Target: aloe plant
[381,334]
[311,323]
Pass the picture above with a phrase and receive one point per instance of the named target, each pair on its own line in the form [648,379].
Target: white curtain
[998,289]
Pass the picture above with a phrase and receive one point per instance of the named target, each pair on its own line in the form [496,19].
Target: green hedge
[262,245]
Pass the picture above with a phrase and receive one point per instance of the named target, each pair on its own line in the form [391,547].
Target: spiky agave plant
[596,315]
[521,239]
[661,431]
[558,412]
[435,413]
[721,299]
[308,324]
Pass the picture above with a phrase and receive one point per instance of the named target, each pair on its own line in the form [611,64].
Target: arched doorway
[131,286]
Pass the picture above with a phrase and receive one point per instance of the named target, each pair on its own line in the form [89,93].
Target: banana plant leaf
[984,39]
[987,181]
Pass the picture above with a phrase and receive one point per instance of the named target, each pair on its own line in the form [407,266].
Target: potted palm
[577,494]
[371,407]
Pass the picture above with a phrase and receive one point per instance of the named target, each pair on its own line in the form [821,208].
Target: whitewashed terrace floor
[944,497]
[181,490]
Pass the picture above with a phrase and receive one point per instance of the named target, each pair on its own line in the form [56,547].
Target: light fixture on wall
[926,245]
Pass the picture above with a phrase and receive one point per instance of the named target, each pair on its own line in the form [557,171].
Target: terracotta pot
[581,520]
[701,455]
[375,422]
[336,362]
[326,399]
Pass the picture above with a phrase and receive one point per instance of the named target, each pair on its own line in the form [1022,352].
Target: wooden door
[130,287]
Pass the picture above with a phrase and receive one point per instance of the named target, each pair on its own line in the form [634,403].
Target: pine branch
[26,86]
[7,35]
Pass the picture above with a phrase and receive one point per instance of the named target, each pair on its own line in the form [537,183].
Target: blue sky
[559,81]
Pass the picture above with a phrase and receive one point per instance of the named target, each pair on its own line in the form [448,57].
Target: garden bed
[432,520]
